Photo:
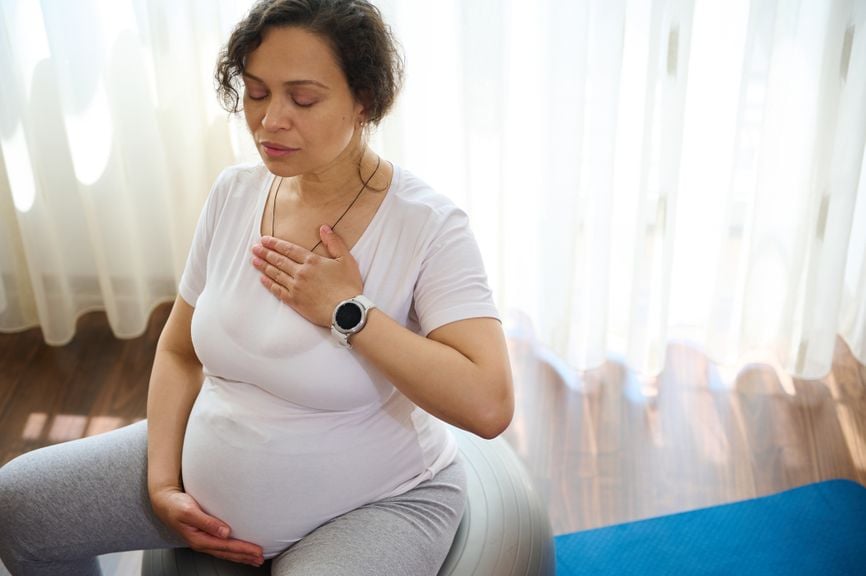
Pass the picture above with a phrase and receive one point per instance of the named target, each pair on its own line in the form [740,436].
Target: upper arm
[453,305]
[452,283]
[176,337]
[479,339]
[194,275]
[482,342]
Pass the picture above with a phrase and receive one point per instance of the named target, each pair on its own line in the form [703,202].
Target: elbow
[495,419]
[493,428]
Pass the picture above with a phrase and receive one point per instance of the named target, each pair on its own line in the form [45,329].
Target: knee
[18,509]
[10,498]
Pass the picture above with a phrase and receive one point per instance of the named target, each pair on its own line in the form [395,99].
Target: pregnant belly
[274,475]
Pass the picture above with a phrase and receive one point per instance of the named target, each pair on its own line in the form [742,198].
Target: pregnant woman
[333,314]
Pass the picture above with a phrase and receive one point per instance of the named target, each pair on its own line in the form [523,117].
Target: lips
[275,150]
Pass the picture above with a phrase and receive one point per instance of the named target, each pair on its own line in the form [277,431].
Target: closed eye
[255,95]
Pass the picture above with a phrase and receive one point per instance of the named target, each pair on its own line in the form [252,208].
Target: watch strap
[365,302]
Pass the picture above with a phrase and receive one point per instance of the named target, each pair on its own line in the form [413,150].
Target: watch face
[348,315]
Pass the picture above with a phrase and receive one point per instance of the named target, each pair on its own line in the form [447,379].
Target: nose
[277,116]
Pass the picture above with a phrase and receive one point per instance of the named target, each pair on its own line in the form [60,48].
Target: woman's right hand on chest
[204,533]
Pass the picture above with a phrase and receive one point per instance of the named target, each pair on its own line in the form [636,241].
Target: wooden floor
[95,383]
[613,451]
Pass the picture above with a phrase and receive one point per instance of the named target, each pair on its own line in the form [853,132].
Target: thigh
[406,534]
[80,499]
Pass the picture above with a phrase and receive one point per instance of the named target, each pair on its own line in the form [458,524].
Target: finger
[232,555]
[264,256]
[287,249]
[237,558]
[195,517]
[243,557]
[332,241]
[272,272]
[278,290]
[205,542]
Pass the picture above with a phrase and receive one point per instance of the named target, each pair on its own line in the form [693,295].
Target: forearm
[472,393]
[174,384]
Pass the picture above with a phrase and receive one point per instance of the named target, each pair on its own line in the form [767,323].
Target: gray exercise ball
[504,531]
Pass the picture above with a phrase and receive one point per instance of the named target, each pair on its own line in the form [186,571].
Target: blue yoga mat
[816,529]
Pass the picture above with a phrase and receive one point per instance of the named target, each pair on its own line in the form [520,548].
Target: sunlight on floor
[34,425]
[853,434]
[68,426]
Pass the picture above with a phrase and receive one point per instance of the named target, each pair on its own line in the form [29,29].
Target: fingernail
[224,532]
[326,229]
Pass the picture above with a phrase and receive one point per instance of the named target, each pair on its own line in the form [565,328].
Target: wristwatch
[350,317]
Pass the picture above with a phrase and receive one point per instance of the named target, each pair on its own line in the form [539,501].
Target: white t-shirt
[289,429]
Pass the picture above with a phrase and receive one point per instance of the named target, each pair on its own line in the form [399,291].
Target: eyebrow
[288,83]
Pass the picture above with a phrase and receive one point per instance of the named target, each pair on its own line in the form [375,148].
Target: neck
[337,181]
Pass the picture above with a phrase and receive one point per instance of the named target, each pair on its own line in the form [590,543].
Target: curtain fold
[636,171]
[110,138]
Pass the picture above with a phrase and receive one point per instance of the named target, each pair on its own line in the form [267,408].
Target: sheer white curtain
[636,170]
[640,171]
[110,140]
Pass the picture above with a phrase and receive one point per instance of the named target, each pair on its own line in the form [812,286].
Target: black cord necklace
[334,225]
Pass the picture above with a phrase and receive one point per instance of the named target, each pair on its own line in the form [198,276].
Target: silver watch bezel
[342,334]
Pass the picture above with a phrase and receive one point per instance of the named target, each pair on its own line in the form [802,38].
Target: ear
[361,107]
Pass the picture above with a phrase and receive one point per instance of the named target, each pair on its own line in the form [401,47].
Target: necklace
[334,225]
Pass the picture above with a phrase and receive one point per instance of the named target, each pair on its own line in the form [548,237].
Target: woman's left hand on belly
[311,284]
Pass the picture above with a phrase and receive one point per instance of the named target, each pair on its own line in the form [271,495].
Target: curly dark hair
[362,43]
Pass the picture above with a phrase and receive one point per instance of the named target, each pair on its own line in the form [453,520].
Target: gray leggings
[63,505]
